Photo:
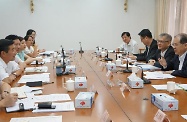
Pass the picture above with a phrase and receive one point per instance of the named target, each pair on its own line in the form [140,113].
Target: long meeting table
[134,106]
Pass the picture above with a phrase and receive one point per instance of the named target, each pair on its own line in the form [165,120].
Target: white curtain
[171,17]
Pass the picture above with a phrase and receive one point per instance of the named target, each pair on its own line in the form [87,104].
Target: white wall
[67,22]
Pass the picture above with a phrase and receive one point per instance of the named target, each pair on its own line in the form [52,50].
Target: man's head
[146,37]
[180,44]
[164,41]
[16,41]
[7,50]
[126,37]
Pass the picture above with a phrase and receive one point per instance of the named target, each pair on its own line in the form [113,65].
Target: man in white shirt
[16,41]
[9,69]
[129,45]
[179,62]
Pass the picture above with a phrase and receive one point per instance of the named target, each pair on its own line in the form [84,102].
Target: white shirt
[131,47]
[163,53]
[181,59]
[29,50]
[7,69]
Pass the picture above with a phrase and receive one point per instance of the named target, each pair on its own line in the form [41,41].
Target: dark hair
[21,38]
[11,37]
[4,45]
[29,32]
[145,32]
[127,34]
[182,37]
[27,37]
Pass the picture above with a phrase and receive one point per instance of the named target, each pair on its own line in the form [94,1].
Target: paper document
[148,67]
[52,97]
[36,69]
[38,119]
[164,86]
[65,106]
[47,53]
[19,91]
[124,65]
[44,77]
[184,116]
[157,75]
[28,104]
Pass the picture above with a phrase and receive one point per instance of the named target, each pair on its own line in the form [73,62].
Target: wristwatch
[15,75]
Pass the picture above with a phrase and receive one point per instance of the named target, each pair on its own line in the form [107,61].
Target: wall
[68,22]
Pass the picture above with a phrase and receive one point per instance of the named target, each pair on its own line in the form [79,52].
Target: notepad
[38,119]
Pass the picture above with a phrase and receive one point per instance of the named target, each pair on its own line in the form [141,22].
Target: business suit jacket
[152,50]
[168,56]
[174,65]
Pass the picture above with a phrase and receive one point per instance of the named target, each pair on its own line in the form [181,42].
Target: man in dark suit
[179,62]
[150,44]
[164,50]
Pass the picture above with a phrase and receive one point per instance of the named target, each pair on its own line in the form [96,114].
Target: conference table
[134,106]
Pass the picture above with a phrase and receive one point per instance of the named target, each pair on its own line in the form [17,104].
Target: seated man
[165,50]
[7,99]
[179,62]
[16,41]
[151,46]
[129,45]
[9,69]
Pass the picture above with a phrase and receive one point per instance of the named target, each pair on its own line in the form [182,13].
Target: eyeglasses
[160,41]
[177,44]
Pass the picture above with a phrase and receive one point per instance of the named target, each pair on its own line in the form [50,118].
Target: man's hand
[9,100]
[162,62]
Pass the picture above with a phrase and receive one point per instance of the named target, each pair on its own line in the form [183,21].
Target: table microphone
[64,64]
[107,58]
[145,80]
[127,70]
[80,51]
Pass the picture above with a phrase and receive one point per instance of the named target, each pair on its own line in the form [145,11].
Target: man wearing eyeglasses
[165,50]
[179,62]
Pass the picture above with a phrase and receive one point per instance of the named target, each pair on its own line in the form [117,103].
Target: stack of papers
[44,77]
[164,86]
[47,53]
[38,119]
[51,97]
[65,106]
[149,67]
[37,69]
[157,75]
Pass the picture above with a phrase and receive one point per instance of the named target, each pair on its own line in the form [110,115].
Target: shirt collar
[163,53]
[182,57]
[3,63]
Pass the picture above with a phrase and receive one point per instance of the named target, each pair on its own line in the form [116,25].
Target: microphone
[127,70]
[145,80]
[107,58]
[64,64]
[80,51]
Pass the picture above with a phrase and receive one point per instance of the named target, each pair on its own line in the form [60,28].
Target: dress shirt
[7,69]
[181,60]
[131,47]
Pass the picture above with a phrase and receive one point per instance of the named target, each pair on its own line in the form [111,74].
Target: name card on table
[161,117]
[105,117]
[109,74]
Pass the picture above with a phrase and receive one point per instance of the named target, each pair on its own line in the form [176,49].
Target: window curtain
[171,17]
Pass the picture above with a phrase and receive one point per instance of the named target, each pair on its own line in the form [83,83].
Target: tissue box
[111,66]
[164,102]
[84,100]
[80,82]
[70,69]
[135,82]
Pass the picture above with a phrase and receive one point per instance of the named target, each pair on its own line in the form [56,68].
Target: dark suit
[168,56]
[152,50]
[174,65]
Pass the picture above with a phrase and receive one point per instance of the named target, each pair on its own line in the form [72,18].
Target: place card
[105,117]
[160,116]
